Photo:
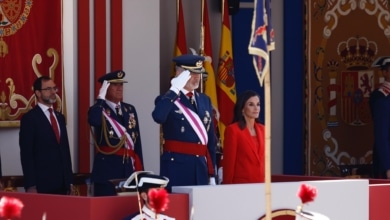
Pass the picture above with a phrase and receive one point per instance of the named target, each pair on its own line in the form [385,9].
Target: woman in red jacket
[243,146]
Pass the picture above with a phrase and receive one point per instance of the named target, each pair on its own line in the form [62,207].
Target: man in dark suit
[116,135]
[188,156]
[44,145]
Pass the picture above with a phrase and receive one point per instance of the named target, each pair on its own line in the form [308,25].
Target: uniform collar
[385,88]
[184,91]
[112,105]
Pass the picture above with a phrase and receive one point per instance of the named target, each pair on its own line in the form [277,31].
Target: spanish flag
[206,50]
[181,43]
[226,84]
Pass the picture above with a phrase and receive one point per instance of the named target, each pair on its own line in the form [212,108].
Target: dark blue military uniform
[185,159]
[380,112]
[112,159]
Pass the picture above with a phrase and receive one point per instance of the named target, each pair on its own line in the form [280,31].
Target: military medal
[207,120]
[133,136]
[111,133]
[132,121]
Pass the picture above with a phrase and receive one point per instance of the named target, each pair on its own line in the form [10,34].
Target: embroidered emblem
[120,75]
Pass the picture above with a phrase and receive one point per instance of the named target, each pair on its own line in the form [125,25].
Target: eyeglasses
[51,89]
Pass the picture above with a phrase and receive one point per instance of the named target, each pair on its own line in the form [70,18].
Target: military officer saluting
[189,146]
[116,135]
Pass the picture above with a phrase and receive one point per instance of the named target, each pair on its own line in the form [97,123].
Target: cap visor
[196,70]
[116,81]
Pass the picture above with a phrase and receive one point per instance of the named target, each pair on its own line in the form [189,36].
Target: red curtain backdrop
[30,46]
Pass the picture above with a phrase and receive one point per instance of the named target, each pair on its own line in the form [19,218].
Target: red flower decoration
[158,200]
[307,193]
[10,207]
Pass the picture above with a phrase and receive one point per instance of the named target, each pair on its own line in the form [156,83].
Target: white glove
[212,181]
[103,90]
[180,81]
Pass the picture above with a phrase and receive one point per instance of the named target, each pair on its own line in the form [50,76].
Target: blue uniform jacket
[184,169]
[380,110]
[108,167]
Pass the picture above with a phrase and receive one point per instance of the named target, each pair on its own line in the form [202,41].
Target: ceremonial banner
[226,84]
[30,46]
[262,38]
[181,42]
[343,39]
[261,42]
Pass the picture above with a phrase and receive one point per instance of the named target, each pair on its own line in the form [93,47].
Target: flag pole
[268,123]
[177,10]
[201,46]
[267,106]
[261,42]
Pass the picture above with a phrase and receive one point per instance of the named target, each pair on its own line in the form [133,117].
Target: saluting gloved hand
[180,81]
[103,90]
[212,181]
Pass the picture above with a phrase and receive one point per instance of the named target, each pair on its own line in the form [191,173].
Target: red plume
[158,200]
[10,207]
[307,193]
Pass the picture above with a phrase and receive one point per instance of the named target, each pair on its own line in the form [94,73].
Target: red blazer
[242,161]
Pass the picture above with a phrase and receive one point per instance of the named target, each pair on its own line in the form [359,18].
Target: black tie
[119,114]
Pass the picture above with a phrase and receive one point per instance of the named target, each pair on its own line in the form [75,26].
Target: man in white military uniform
[142,182]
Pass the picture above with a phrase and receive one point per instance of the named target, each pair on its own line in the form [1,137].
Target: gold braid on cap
[105,131]
[199,64]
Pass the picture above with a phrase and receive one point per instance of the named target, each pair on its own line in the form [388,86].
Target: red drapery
[30,46]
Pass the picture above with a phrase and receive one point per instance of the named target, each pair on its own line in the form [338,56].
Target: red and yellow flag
[226,84]
[181,42]
[206,50]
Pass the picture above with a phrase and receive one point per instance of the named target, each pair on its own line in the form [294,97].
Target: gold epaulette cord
[104,128]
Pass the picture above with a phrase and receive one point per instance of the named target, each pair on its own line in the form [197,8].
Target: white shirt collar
[184,91]
[112,105]
[44,107]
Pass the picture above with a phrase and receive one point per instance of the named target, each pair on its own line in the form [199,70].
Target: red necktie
[54,125]
[190,95]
